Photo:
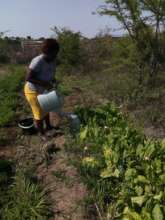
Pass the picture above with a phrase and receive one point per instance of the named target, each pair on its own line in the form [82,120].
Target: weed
[25,201]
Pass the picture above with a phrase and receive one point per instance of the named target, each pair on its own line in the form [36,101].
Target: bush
[8,49]
[4,59]
[71,53]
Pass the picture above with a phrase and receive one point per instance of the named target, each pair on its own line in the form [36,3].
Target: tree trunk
[141,74]
[153,73]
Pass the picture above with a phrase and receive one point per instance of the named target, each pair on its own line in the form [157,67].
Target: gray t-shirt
[44,71]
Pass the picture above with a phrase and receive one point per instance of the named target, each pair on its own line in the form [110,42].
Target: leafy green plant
[128,181]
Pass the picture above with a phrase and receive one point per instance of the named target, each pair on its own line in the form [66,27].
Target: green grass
[24,200]
[20,197]
[10,86]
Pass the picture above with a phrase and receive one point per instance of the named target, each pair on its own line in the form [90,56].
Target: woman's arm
[31,77]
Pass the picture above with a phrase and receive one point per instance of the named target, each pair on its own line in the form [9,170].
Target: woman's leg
[38,114]
[47,122]
[39,126]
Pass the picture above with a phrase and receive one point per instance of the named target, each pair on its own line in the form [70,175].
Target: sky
[36,17]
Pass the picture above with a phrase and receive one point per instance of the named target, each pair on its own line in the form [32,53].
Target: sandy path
[65,189]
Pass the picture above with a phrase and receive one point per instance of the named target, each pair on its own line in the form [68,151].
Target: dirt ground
[61,180]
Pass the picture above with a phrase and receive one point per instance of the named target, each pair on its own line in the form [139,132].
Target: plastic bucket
[50,102]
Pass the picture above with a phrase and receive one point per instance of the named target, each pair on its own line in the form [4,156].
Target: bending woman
[40,77]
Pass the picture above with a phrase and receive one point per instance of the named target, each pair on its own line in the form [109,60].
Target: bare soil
[65,189]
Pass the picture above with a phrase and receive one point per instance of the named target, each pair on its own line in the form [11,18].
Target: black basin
[27,125]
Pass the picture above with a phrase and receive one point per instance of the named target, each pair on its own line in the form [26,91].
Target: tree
[2,33]
[144,21]
[29,38]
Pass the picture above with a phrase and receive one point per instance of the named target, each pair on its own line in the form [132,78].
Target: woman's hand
[48,85]
[56,83]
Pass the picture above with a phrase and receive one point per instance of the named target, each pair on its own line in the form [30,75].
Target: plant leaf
[139,200]
[83,133]
[157,213]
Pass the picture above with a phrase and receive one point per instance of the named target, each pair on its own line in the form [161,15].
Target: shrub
[71,53]
[4,59]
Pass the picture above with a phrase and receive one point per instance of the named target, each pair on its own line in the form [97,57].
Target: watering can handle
[55,84]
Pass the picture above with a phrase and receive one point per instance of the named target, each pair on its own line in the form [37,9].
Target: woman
[40,77]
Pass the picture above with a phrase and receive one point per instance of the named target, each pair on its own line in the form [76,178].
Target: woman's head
[50,48]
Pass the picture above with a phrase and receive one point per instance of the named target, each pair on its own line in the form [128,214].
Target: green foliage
[98,51]
[143,28]
[4,58]
[25,201]
[64,89]
[8,48]
[9,87]
[6,172]
[71,53]
[124,169]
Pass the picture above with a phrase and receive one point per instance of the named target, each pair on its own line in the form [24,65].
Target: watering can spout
[73,119]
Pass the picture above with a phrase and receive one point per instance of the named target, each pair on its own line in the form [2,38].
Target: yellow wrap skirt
[31,97]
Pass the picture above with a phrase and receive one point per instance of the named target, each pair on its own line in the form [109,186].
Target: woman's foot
[50,127]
